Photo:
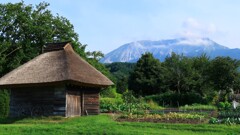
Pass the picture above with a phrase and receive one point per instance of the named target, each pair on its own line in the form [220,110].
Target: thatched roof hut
[56,82]
[59,65]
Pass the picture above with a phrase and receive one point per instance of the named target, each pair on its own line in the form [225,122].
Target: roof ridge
[48,47]
[66,48]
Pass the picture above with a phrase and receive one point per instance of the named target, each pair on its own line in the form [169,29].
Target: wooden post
[82,102]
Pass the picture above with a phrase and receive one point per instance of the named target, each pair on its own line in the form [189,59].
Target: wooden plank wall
[37,101]
[59,102]
[47,101]
[91,101]
[31,102]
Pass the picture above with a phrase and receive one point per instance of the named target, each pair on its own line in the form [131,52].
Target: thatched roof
[58,65]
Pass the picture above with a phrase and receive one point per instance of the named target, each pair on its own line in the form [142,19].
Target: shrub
[175,99]
[4,103]
[132,104]
[110,93]
[213,120]
[110,104]
[153,105]
[198,107]
[224,106]
[227,121]
[125,103]
[229,114]
[161,99]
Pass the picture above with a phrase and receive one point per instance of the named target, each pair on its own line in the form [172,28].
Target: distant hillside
[131,52]
[121,67]
[121,71]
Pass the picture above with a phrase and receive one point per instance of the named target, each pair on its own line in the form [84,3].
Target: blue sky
[107,24]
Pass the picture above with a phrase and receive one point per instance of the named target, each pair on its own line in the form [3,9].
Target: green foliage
[99,66]
[178,73]
[110,92]
[168,116]
[175,99]
[133,104]
[229,114]
[180,80]
[122,84]
[126,103]
[147,76]
[153,105]
[93,58]
[24,29]
[4,103]
[120,71]
[200,81]
[228,121]
[120,68]
[180,116]
[224,106]
[111,104]
[224,72]
[198,107]
[213,120]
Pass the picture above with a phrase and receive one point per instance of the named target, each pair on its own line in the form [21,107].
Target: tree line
[196,79]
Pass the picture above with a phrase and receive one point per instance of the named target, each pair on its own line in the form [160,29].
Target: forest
[179,80]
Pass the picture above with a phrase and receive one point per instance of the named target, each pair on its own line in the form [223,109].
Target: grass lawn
[103,124]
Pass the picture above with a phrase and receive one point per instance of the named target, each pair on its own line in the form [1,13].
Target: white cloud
[195,41]
[192,28]
[212,28]
[191,23]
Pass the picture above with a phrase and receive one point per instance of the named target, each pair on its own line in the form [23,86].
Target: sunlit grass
[104,124]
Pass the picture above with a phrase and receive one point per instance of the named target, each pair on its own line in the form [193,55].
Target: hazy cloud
[192,28]
[195,41]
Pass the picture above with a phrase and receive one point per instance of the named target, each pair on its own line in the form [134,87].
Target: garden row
[130,108]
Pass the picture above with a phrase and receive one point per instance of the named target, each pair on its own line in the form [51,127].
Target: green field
[104,124]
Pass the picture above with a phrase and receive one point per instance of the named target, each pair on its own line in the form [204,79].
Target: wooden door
[73,104]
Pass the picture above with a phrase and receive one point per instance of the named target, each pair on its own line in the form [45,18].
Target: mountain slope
[131,52]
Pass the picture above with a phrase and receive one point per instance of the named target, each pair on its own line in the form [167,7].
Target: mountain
[131,52]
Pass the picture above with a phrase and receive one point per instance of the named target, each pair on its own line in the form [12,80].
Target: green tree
[93,58]
[147,76]
[122,84]
[201,81]
[121,71]
[24,29]
[224,74]
[178,73]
